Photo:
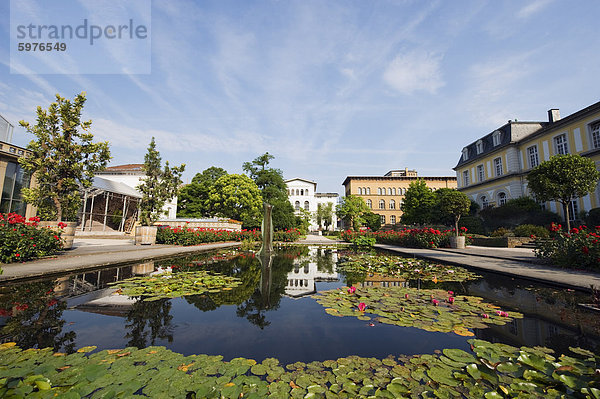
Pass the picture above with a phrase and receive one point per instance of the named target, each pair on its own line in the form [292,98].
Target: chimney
[553,115]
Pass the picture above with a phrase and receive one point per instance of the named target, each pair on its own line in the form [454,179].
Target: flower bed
[22,240]
[579,248]
[194,236]
[412,238]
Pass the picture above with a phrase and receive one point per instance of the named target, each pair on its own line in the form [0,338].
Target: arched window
[381,204]
[501,198]
[360,191]
[306,205]
[368,190]
[297,205]
[301,191]
[370,204]
[382,218]
[297,192]
[393,219]
[392,204]
[484,202]
[394,191]
[389,191]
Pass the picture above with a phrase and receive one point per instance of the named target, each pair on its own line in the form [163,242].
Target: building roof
[130,167]
[396,178]
[114,187]
[297,178]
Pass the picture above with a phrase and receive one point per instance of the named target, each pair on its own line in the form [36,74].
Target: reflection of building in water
[377,280]
[307,271]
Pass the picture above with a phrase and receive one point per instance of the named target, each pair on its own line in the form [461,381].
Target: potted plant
[159,186]
[456,204]
[62,160]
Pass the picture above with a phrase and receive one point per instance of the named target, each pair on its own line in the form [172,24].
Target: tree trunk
[566,213]
[456,219]
[58,209]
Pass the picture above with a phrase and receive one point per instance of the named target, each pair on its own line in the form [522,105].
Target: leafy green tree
[455,204]
[159,185]
[303,218]
[563,178]
[193,198]
[324,215]
[351,209]
[418,204]
[237,197]
[63,158]
[372,220]
[273,190]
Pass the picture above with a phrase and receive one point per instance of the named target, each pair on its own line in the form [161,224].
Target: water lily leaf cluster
[491,371]
[406,268]
[173,285]
[430,310]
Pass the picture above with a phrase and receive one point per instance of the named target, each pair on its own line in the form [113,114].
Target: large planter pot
[457,242]
[145,235]
[67,234]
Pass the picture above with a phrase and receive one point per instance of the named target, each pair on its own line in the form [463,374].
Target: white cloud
[532,8]
[415,71]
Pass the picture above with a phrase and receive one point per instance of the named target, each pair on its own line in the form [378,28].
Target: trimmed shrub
[195,236]
[576,249]
[22,240]
[502,232]
[593,217]
[473,224]
[411,238]
[530,230]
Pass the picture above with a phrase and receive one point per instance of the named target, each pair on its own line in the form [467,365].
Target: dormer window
[479,147]
[496,137]
[465,154]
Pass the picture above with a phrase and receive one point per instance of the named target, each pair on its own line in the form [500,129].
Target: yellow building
[493,169]
[384,194]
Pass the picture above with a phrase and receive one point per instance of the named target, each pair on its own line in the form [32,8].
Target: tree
[563,178]
[454,203]
[324,215]
[193,198]
[273,190]
[372,220]
[237,197]
[159,185]
[351,210]
[63,158]
[419,202]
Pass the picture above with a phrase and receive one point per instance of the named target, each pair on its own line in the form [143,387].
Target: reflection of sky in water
[295,327]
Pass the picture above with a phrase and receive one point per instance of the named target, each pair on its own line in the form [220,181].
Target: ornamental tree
[418,204]
[454,203]
[159,185]
[563,178]
[324,215]
[63,158]
[193,198]
[352,209]
[237,197]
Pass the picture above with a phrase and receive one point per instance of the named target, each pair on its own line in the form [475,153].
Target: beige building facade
[384,194]
[12,180]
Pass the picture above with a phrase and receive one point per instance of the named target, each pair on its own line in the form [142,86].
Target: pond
[273,311]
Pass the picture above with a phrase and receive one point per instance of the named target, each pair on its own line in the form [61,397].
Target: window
[368,190]
[301,191]
[560,144]
[306,206]
[393,219]
[370,204]
[501,198]
[360,191]
[389,191]
[466,178]
[465,154]
[394,191]
[392,204]
[297,205]
[480,173]
[532,156]
[595,134]
[573,210]
[498,166]
[15,179]
[382,218]
[479,146]
[297,192]
[381,204]
[496,137]
[484,202]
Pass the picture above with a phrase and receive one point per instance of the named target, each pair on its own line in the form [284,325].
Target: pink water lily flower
[451,299]
[501,313]
[485,316]
[450,292]
[406,296]
[362,306]
[435,302]
[352,290]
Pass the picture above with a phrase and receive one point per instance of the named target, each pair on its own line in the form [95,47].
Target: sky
[330,88]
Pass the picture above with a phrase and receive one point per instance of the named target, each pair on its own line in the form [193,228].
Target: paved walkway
[519,262]
[312,239]
[89,254]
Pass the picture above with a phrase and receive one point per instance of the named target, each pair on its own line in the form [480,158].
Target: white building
[303,195]
[132,175]
[306,273]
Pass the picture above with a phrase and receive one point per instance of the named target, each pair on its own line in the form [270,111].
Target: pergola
[112,191]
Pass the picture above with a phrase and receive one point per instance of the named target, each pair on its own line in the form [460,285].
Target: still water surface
[272,314]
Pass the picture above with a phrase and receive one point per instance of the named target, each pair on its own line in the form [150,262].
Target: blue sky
[331,88]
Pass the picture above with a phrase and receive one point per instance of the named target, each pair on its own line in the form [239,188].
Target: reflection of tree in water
[325,263]
[35,316]
[152,314]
